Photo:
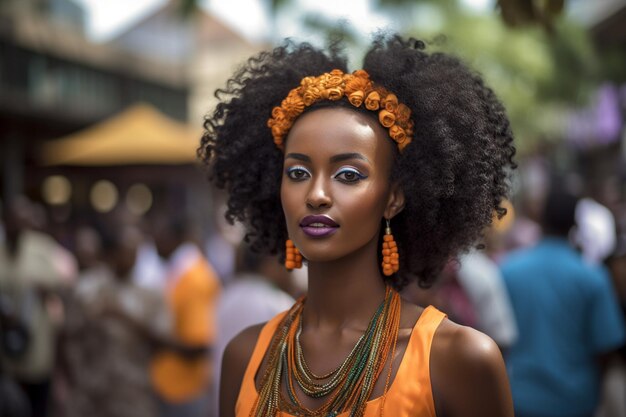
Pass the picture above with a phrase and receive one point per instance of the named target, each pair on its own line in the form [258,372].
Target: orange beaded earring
[293,259]
[391,259]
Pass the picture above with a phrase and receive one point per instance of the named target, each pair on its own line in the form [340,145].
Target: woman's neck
[345,292]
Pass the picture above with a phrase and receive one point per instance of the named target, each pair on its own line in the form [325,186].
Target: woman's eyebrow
[345,156]
[335,158]
[298,156]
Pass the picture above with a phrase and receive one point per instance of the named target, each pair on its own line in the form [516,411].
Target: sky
[249,17]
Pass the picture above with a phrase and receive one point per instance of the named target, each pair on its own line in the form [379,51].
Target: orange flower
[403,113]
[356,98]
[397,133]
[307,81]
[356,83]
[280,128]
[293,106]
[372,102]
[386,118]
[333,94]
[358,89]
[311,95]
[332,80]
[278,113]
[277,131]
[390,102]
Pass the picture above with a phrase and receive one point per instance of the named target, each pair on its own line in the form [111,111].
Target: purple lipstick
[318,226]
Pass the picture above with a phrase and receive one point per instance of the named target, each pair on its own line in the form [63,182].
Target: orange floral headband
[358,89]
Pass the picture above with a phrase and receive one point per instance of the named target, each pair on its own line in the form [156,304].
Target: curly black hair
[454,174]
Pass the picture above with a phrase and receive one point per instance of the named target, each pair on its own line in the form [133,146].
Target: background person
[191,290]
[261,284]
[34,271]
[568,320]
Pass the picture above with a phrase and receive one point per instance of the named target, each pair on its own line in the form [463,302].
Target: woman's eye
[297,173]
[349,175]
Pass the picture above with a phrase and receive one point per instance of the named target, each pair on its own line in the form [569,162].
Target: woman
[320,164]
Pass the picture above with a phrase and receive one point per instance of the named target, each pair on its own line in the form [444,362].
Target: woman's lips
[318,226]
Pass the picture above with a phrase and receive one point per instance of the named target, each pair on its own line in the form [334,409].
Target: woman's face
[335,186]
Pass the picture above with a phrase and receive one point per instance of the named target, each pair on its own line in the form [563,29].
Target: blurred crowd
[548,284]
[129,316]
[122,320]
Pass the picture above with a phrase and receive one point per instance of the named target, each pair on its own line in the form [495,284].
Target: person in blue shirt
[568,320]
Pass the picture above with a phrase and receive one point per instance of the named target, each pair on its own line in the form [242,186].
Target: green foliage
[409,3]
[518,13]
[276,5]
[613,64]
[187,8]
[333,29]
[537,74]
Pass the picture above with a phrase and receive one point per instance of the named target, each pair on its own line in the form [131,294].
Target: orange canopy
[139,135]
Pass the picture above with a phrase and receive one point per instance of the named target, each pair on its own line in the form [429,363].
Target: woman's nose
[319,196]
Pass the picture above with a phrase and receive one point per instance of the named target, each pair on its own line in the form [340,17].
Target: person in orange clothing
[191,286]
[321,165]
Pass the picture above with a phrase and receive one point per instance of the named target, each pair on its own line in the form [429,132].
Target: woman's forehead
[338,130]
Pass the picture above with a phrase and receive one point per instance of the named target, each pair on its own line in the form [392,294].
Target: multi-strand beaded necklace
[346,388]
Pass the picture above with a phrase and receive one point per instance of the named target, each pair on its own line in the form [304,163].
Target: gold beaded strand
[346,388]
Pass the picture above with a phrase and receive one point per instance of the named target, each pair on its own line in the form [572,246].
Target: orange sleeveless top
[410,393]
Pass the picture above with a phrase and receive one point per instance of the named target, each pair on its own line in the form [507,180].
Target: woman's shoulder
[237,354]
[460,347]
[241,347]
[468,375]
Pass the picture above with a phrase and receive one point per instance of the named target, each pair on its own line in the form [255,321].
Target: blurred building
[53,82]
[203,47]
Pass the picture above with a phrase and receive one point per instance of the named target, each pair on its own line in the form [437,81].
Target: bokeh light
[139,199]
[56,190]
[103,196]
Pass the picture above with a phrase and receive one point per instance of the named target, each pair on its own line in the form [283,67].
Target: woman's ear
[395,203]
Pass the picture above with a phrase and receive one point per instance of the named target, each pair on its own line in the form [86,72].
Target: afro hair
[454,173]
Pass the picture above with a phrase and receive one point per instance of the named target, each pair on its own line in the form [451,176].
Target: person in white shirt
[263,286]
[482,281]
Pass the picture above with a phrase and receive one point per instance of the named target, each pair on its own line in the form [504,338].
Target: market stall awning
[137,136]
